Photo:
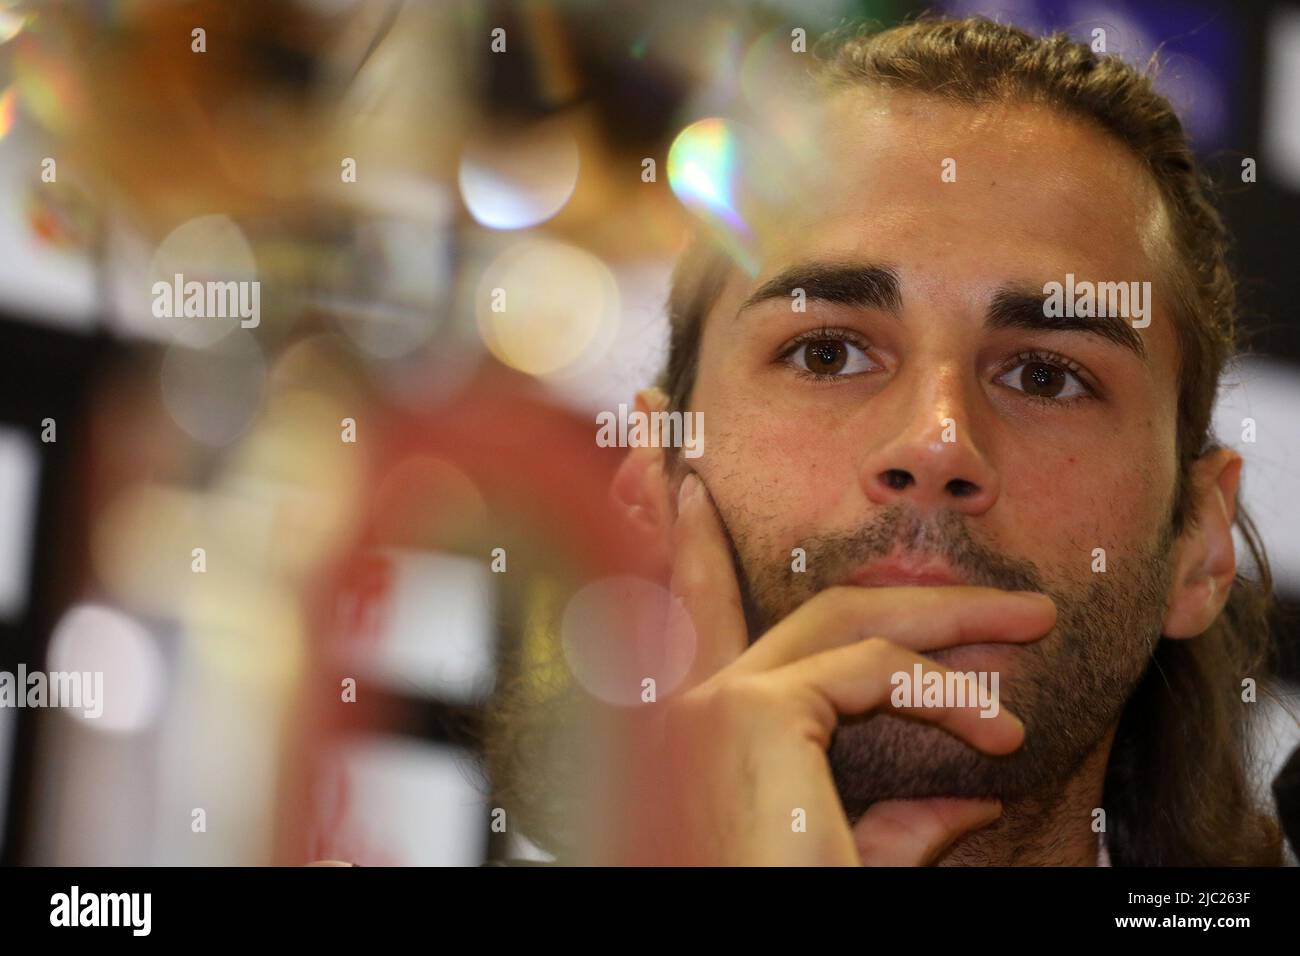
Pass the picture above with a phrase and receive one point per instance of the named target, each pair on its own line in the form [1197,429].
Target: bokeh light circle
[94,639]
[214,393]
[544,306]
[617,632]
[519,181]
[204,249]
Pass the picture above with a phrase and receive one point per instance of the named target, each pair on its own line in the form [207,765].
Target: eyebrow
[1022,309]
[865,286]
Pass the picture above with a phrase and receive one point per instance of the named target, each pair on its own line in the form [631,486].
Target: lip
[892,573]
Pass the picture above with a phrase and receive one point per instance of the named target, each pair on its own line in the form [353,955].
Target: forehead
[1022,188]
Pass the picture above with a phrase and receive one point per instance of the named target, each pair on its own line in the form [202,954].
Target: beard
[1069,688]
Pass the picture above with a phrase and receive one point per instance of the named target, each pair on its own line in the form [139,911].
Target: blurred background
[283,545]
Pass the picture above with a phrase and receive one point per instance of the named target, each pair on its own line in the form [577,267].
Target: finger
[862,677]
[917,832]
[704,580]
[919,618]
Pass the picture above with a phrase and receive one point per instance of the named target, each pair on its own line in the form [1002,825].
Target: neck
[1043,831]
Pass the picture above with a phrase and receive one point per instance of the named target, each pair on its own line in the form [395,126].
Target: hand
[745,744]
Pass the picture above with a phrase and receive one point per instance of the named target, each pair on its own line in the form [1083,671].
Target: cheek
[1112,493]
[785,469]
[781,476]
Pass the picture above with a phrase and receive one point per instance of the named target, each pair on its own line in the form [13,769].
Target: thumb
[704,581]
[916,832]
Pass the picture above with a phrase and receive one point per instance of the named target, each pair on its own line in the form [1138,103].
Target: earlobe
[1205,555]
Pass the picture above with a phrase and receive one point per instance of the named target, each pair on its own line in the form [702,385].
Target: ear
[1205,560]
[641,488]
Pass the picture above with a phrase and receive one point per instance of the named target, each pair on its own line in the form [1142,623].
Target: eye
[1045,377]
[829,356]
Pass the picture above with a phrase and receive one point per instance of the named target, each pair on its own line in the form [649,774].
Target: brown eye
[830,357]
[1042,380]
[826,357]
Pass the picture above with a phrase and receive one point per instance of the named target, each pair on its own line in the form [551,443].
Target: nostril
[896,478]
[961,488]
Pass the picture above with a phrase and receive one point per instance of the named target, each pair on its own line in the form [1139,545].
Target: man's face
[922,417]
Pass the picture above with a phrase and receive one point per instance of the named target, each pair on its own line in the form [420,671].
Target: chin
[894,758]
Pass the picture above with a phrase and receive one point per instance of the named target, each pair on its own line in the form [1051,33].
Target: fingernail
[689,489]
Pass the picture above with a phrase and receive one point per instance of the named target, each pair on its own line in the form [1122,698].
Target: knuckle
[737,700]
[877,650]
[748,702]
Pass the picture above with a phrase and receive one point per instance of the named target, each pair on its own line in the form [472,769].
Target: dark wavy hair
[1178,788]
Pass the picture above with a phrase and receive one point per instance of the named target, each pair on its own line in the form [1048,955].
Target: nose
[930,457]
